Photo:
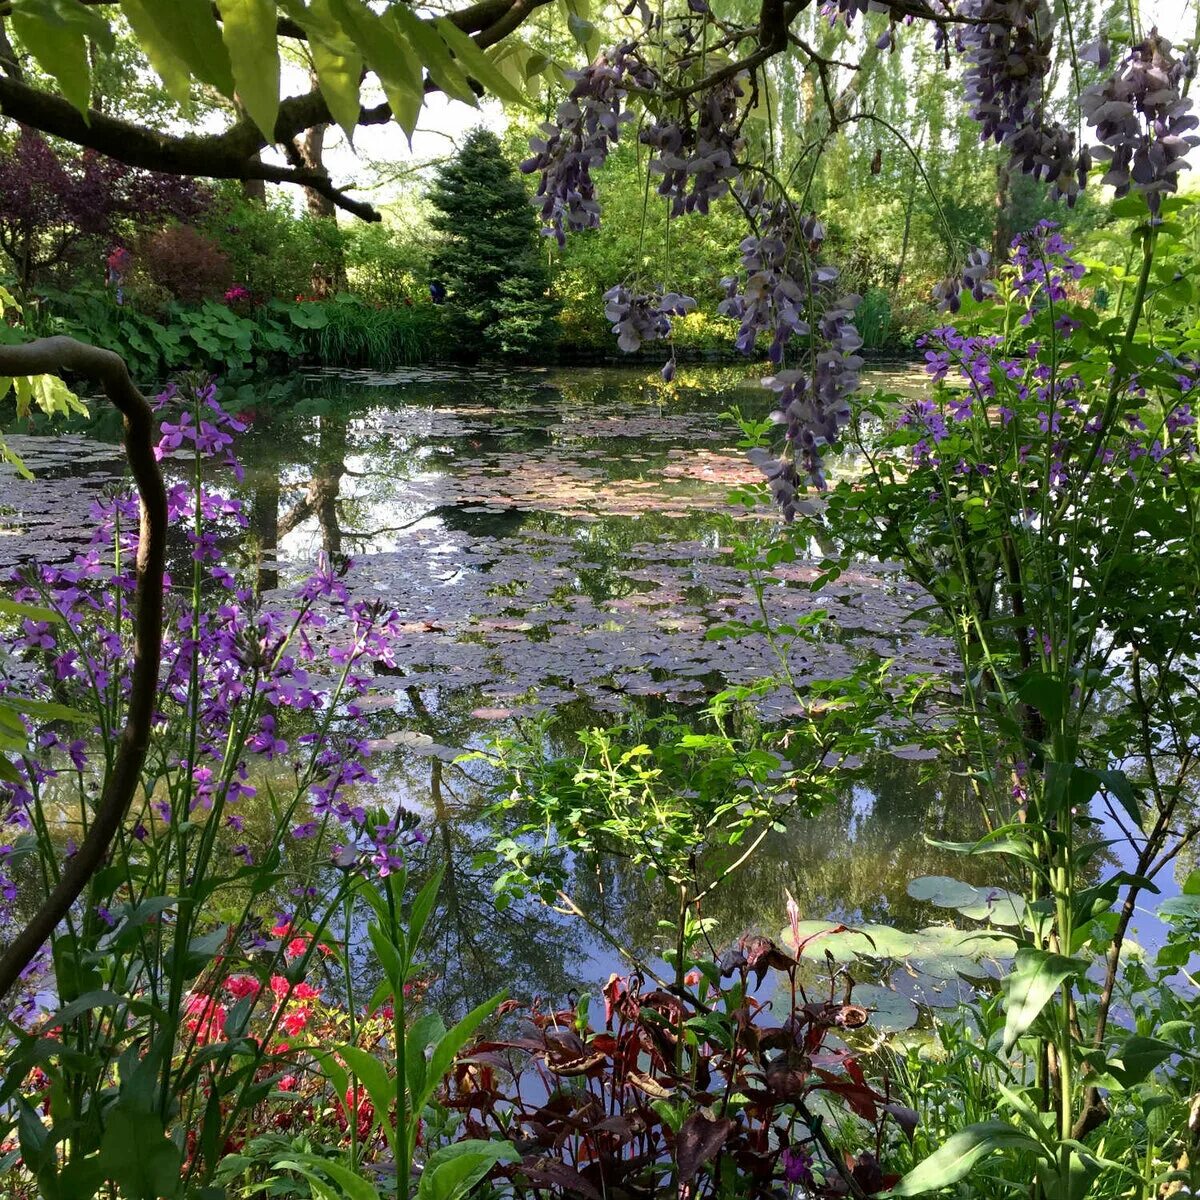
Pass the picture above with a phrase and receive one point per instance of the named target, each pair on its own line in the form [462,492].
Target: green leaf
[337,61]
[353,1186]
[422,906]
[958,1156]
[477,64]
[136,1153]
[432,51]
[1043,692]
[35,612]
[186,32]
[425,1030]
[85,1003]
[55,32]
[455,1169]
[453,1042]
[1137,1057]
[248,31]
[388,956]
[1036,976]
[379,1085]
[1117,784]
[389,55]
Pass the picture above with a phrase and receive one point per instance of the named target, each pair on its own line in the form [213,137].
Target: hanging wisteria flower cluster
[587,125]
[1007,44]
[1142,120]
[786,295]
[639,317]
[697,154]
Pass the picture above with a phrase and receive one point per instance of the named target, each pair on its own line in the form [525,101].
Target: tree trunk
[1003,231]
[330,276]
[255,189]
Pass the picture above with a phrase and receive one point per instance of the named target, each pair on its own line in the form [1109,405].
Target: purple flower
[797,1165]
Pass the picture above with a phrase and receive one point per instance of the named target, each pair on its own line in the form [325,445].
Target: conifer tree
[490,260]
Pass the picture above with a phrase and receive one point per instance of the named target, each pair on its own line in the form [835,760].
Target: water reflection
[555,541]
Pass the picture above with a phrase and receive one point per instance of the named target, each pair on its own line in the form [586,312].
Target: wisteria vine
[1140,119]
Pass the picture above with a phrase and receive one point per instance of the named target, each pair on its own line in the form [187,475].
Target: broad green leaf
[55,32]
[137,1154]
[477,64]
[54,398]
[427,1029]
[35,612]
[1036,976]
[338,64]
[959,1154]
[351,1185]
[422,906]
[389,55]
[453,1042]
[890,1011]
[1137,1057]
[943,891]
[46,710]
[85,1003]
[187,31]
[388,956]
[455,1169]
[373,1076]
[431,50]
[1117,784]
[248,31]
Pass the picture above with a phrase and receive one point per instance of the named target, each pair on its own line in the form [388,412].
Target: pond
[557,542]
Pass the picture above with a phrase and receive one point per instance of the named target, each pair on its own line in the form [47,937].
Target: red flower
[242,985]
[295,1022]
[208,1018]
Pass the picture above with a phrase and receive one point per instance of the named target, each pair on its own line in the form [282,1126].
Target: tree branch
[52,356]
[230,154]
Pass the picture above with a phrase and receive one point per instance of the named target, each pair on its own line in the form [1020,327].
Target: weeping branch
[54,356]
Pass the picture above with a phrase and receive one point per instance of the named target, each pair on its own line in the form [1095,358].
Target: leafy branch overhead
[234,49]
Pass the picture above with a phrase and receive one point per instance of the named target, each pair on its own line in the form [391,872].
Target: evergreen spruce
[490,260]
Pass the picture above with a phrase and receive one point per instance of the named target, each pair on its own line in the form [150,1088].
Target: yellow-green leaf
[433,53]
[338,63]
[53,396]
[389,56]
[187,31]
[248,31]
[477,64]
[168,66]
[58,45]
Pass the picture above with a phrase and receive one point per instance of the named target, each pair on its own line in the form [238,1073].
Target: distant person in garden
[437,291]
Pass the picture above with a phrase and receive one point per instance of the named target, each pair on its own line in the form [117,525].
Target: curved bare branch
[53,356]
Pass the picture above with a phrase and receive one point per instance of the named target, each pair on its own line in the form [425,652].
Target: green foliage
[358,334]
[210,335]
[272,252]
[489,258]
[387,264]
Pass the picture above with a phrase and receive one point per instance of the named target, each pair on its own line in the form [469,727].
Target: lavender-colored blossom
[639,317]
[587,125]
[1007,44]
[1143,121]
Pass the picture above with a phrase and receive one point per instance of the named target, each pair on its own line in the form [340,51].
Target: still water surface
[555,541]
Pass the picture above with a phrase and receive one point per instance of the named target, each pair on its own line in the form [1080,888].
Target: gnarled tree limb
[232,153]
[53,356]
